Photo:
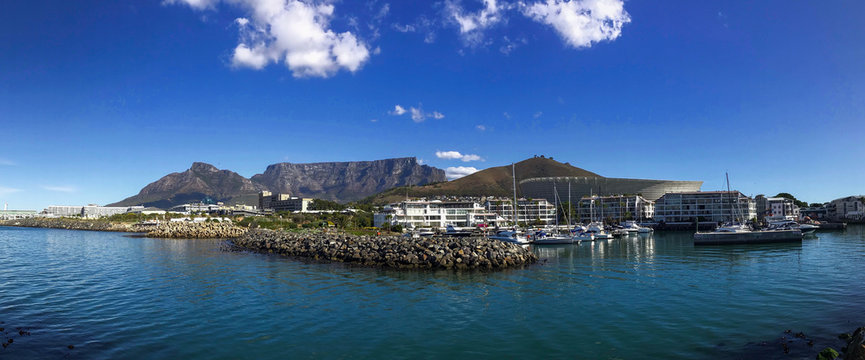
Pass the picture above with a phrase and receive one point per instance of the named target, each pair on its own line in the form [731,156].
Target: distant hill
[346,181]
[337,181]
[495,181]
[200,181]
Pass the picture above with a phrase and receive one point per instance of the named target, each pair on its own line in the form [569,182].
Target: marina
[635,297]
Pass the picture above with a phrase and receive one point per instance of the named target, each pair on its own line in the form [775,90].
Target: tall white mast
[514,175]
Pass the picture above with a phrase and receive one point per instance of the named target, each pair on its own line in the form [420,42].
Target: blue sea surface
[117,297]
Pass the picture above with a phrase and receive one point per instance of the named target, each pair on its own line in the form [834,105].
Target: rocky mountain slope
[346,181]
[494,181]
[338,181]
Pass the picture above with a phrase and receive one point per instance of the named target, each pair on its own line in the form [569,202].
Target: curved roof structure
[542,187]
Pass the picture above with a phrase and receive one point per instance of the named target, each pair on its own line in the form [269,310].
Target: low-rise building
[89,211]
[850,208]
[268,201]
[615,208]
[436,214]
[16,214]
[779,208]
[196,208]
[529,211]
[714,206]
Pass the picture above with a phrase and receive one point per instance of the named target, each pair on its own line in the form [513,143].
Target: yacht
[790,224]
[510,236]
[632,226]
[452,231]
[597,229]
[738,233]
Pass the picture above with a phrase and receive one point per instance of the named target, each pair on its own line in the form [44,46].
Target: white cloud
[65,188]
[506,115]
[456,155]
[472,24]
[195,4]
[6,162]
[373,120]
[481,127]
[397,110]
[456,172]
[7,191]
[581,23]
[417,114]
[293,32]
[404,28]
[538,114]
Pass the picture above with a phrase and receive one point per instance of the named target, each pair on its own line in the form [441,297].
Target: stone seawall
[391,251]
[175,230]
[187,230]
[73,224]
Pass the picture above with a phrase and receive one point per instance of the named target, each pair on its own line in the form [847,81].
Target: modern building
[616,208]
[851,208]
[436,214]
[96,211]
[529,211]
[197,208]
[282,202]
[779,208]
[705,206]
[580,187]
[89,211]
[814,213]
[16,214]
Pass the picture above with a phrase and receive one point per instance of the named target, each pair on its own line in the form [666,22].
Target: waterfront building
[196,208]
[616,208]
[436,214]
[585,186]
[268,201]
[814,213]
[529,211]
[89,211]
[779,208]
[63,210]
[96,211]
[713,206]
[16,214]
[850,208]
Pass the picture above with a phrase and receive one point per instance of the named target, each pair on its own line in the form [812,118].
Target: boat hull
[747,237]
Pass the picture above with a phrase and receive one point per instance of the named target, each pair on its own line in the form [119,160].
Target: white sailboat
[512,236]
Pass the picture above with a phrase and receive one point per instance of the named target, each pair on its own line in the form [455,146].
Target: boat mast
[514,175]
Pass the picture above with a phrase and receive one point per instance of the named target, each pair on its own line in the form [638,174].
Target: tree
[791,197]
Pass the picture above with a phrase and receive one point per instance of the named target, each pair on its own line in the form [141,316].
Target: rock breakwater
[74,224]
[189,230]
[391,251]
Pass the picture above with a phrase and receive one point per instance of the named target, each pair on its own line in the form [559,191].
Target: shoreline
[172,230]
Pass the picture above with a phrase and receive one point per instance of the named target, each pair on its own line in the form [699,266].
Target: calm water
[653,297]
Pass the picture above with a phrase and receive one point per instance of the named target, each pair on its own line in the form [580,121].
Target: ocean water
[112,296]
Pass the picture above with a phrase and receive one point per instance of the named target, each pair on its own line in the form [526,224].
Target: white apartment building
[436,214]
[90,211]
[615,208]
[778,208]
[529,211]
[715,206]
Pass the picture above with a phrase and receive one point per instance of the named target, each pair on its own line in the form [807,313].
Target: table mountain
[338,181]
[346,181]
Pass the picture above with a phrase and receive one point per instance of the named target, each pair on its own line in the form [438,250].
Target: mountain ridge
[337,181]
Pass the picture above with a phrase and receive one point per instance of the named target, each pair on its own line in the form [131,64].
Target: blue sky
[99,98]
